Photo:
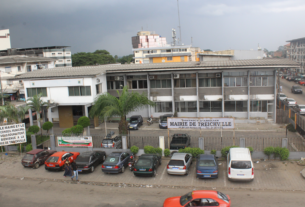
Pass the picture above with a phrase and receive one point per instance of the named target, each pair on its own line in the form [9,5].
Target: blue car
[116,162]
[207,166]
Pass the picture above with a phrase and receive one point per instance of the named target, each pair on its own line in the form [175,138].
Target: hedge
[77,130]
[47,126]
[83,121]
[284,154]
[34,129]
[134,149]
[225,150]
[291,128]
[194,151]
[66,132]
[152,150]
[28,147]
[269,151]
[167,152]
[213,152]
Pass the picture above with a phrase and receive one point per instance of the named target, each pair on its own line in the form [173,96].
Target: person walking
[68,169]
[74,167]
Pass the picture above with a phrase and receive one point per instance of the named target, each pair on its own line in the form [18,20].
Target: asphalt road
[16,192]
[286,89]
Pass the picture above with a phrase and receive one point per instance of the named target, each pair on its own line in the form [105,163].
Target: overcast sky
[88,25]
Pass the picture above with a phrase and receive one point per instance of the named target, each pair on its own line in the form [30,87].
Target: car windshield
[290,99]
[163,119]
[28,157]
[283,95]
[206,163]
[179,140]
[112,159]
[82,158]
[241,164]
[302,107]
[134,121]
[52,159]
[186,198]
[143,163]
[176,163]
[297,87]
[107,141]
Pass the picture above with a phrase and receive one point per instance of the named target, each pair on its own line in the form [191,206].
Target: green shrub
[158,150]
[66,132]
[291,128]
[167,152]
[77,130]
[284,154]
[34,129]
[134,149]
[269,151]
[47,126]
[213,152]
[18,148]
[41,139]
[28,147]
[225,150]
[277,151]
[251,149]
[152,150]
[194,151]
[83,121]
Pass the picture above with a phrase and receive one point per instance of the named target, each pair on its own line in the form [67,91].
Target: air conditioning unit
[118,78]
[176,76]
[151,77]
[218,75]
[155,98]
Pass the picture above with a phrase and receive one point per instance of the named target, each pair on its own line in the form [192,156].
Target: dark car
[180,141]
[36,157]
[163,121]
[116,162]
[207,166]
[291,78]
[135,122]
[296,89]
[147,165]
[296,80]
[88,161]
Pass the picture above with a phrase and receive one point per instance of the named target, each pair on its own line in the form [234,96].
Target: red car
[57,160]
[199,198]
[302,82]
[36,157]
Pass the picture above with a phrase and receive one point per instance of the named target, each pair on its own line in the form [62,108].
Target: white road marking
[224,177]
[163,172]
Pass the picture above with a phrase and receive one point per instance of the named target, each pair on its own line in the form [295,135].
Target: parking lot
[274,175]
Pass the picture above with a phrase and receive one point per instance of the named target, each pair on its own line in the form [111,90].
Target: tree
[13,113]
[98,57]
[83,121]
[36,104]
[107,105]
[47,126]
[34,129]
[126,59]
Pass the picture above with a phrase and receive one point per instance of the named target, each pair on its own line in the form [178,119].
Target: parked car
[199,198]
[302,82]
[180,141]
[147,165]
[207,166]
[57,160]
[135,122]
[36,157]
[116,162]
[239,164]
[88,161]
[163,121]
[296,89]
[300,109]
[115,142]
[296,80]
[281,96]
[179,164]
[290,102]
[291,78]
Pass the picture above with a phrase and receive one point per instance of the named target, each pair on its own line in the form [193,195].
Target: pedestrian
[68,169]
[75,171]
[281,88]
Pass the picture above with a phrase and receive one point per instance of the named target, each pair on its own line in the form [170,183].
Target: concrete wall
[161,92]
[261,90]
[236,114]
[209,91]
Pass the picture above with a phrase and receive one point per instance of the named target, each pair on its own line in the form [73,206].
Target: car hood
[134,125]
[163,124]
[173,201]
[110,163]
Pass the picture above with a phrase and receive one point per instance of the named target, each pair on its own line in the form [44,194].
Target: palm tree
[36,104]
[22,111]
[13,113]
[107,105]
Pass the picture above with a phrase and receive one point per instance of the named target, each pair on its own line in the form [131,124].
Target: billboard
[200,123]
[75,141]
[12,134]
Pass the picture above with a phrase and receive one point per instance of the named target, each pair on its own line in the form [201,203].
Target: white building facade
[5,39]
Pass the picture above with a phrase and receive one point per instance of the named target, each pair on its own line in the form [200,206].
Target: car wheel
[36,165]
[155,173]
[123,169]
[92,169]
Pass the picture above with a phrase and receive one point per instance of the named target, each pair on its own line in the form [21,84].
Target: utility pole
[1,90]
[179,22]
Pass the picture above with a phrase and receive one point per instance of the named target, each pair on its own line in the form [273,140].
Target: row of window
[60,53]
[212,106]
[73,91]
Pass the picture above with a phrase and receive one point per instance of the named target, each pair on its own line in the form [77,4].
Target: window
[237,106]
[111,85]
[9,82]
[135,82]
[189,106]
[59,53]
[53,53]
[261,81]
[183,50]
[186,80]
[59,61]
[68,60]
[67,53]
[8,69]
[163,107]
[258,106]
[19,68]
[169,58]
[166,83]
[98,88]
[20,82]
[35,91]
[235,81]
[28,68]
[80,91]
[210,106]
[210,82]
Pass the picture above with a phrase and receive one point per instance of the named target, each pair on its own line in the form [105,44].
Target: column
[197,91]
[148,95]
[173,95]
[31,117]
[274,99]
[87,115]
[223,95]
[248,108]
[50,118]
[125,80]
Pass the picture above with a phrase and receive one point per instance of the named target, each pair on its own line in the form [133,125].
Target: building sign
[12,134]
[75,141]
[4,120]
[200,123]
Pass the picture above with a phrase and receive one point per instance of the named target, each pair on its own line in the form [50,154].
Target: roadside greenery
[282,153]
[194,151]
[77,130]
[66,132]
[33,129]
[251,149]
[134,149]
[291,128]
[83,121]
[225,150]
[152,150]
[167,153]
[269,151]
[99,57]
[213,152]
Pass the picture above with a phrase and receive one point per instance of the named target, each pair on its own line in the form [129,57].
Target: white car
[290,101]
[281,96]
[300,109]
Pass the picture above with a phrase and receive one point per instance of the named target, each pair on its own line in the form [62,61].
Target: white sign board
[75,141]
[12,134]
[200,123]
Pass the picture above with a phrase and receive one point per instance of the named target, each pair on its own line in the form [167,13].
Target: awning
[9,91]
[21,91]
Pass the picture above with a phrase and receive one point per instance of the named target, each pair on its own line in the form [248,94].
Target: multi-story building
[244,89]
[230,55]
[16,65]
[61,54]
[297,51]
[5,39]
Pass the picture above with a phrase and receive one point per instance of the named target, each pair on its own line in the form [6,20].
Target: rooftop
[23,59]
[37,48]
[302,38]
[92,71]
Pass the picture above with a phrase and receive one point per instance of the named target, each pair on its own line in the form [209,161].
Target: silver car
[115,143]
[300,109]
[179,164]
[281,96]
[290,101]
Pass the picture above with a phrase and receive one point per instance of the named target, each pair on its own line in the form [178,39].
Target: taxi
[57,160]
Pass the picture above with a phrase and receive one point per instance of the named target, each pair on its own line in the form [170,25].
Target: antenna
[179,22]
[174,36]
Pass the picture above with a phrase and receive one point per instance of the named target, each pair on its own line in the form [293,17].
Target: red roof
[35,151]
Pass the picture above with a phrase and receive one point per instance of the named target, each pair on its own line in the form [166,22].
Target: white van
[240,165]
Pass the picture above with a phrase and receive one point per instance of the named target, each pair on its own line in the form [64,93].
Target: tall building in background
[297,51]
[5,40]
